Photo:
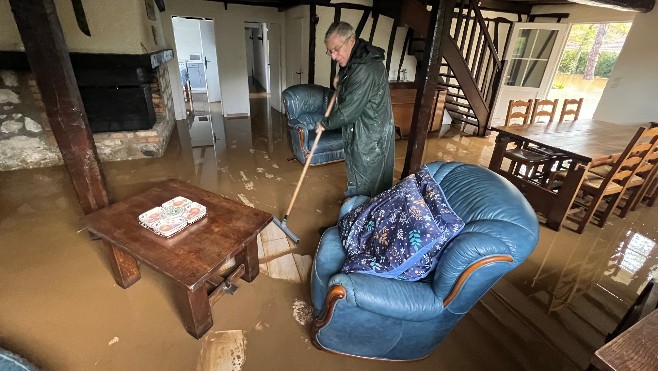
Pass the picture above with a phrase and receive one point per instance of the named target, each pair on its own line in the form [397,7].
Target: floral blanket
[399,233]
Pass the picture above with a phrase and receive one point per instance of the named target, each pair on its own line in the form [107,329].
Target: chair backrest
[498,225]
[544,107]
[568,111]
[651,161]
[524,114]
[638,149]
[305,98]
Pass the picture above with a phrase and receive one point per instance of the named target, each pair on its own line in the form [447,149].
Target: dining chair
[567,111]
[527,163]
[544,107]
[525,112]
[649,191]
[642,183]
[652,193]
[609,189]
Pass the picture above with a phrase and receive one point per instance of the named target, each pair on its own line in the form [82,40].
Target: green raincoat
[363,111]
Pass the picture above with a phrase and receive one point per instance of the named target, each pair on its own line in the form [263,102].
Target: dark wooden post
[428,78]
[49,60]
[313,26]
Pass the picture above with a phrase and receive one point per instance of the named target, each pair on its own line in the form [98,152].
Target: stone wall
[25,137]
[26,140]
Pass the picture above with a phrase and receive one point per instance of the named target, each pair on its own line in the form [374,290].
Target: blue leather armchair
[305,104]
[379,318]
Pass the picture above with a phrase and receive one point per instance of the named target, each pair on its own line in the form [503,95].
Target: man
[362,110]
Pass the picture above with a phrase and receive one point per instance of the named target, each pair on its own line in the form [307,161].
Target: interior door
[295,50]
[531,60]
[275,65]
[207,29]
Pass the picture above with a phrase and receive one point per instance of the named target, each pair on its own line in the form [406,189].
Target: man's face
[339,49]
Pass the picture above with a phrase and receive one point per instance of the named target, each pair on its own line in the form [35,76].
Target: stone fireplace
[127,98]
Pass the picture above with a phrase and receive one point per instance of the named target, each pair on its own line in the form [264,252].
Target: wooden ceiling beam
[522,6]
[642,6]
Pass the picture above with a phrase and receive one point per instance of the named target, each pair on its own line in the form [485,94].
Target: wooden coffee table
[190,258]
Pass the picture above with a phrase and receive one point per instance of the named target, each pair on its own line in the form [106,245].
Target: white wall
[631,95]
[115,26]
[188,38]
[231,50]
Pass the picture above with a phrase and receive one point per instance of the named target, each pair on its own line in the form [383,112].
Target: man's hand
[336,80]
[319,129]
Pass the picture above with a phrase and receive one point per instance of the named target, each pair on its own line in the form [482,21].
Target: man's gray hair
[342,29]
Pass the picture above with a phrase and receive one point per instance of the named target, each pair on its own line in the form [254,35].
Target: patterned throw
[399,233]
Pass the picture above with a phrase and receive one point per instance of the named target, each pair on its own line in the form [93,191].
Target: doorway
[531,62]
[263,50]
[587,60]
[197,62]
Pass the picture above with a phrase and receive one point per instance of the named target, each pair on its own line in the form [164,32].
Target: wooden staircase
[471,69]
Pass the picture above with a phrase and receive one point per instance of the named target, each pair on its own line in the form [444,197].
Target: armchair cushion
[399,233]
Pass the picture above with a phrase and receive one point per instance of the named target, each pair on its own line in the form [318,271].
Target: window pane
[544,41]
[526,73]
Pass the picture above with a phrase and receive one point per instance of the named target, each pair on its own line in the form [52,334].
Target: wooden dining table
[584,142]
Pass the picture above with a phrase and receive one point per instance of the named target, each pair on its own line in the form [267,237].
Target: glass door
[531,61]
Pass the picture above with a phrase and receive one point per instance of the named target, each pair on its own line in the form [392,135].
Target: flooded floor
[60,307]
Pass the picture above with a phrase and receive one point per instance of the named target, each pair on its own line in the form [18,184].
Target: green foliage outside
[604,65]
[581,39]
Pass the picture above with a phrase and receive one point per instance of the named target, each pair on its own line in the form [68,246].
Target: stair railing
[471,35]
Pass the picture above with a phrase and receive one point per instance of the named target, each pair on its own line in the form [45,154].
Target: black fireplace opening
[118,108]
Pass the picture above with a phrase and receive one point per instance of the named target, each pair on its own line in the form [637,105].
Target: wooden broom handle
[310,155]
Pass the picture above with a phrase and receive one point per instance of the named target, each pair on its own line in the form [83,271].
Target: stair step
[449,85]
[457,95]
[460,104]
[461,112]
[465,120]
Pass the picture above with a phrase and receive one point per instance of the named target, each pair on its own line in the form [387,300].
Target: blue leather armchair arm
[299,134]
[409,301]
[328,260]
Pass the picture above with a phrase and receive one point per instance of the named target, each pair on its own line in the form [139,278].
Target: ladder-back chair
[544,107]
[527,163]
[567,111]
[595,189]
[524,113]
[649,191]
